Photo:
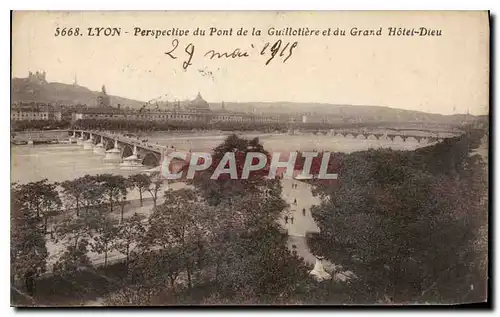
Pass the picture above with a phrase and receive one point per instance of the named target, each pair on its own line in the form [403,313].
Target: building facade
[196,110]
[32,112]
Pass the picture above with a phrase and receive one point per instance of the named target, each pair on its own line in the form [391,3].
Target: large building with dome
[194,110]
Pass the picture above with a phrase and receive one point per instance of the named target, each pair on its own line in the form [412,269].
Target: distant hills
[26,90]
[347,112]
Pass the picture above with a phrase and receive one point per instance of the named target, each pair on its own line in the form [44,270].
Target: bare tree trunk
[123,209]
[172,283]
[45,225]
[188,270]
[128,251]
[140,196]
[29,283]
[217,272]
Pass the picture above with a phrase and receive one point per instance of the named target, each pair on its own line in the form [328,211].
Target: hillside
[347,112]
[22,90]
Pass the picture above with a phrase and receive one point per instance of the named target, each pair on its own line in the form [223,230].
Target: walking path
[299,198]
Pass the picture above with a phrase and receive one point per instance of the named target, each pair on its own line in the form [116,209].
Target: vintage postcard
[249,158]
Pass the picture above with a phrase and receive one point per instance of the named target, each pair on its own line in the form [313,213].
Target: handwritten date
[278,49]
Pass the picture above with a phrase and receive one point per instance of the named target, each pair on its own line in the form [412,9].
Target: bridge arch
[127,151]
[424,141]
[109,144]
[397,138]
[411,139]
[151,159]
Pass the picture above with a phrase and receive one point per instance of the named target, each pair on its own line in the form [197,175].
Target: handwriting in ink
[277,49]
[237,53]
[190,51]
[175,43]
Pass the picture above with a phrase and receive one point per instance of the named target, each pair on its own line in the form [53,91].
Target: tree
[114,187]
[123,202]
[105,238]
[249,251]
[157,268]
[177,232]
[76,234]
[28,249]
[73,191]
[156,181]
[141,182]
[93,193]
[255,257]
[136,295]
[40,197]
[129,233]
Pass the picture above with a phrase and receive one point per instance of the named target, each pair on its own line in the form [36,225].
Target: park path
[299,198]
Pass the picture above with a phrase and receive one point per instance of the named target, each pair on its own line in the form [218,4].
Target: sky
[440,74]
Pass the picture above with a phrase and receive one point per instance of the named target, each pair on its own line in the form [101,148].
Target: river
[59,162]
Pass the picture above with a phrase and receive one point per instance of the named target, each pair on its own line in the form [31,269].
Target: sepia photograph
[236,158]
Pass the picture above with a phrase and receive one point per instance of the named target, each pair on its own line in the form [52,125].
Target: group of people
[294,185]
[291,217]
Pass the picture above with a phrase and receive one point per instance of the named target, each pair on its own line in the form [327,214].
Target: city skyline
[192,96]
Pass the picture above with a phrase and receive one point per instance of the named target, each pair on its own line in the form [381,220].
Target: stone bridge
[391,135]
[117,148]
[131,152]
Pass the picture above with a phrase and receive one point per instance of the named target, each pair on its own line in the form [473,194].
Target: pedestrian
[286,219]
[291,219]
[303,211]
[295,201]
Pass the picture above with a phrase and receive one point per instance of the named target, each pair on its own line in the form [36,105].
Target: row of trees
[80,214]
[135,126]
[88,191]
[409,224]
[151,126]
[23,125]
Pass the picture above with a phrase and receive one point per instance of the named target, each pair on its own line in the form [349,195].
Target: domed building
[198,104]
